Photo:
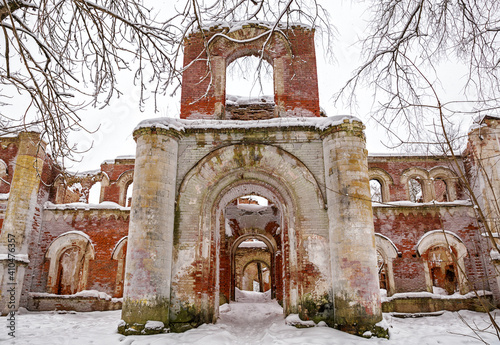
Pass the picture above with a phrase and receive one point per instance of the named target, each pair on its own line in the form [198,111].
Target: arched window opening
[376,190]
[95,193]
[249,89]
[415,190]
[441,190]
[251,77]
[128,197]
[442,269]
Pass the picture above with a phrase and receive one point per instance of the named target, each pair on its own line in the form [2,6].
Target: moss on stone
[223,299]
[317,309]
[184,314]
[352,318]
[140,311]
[180,327]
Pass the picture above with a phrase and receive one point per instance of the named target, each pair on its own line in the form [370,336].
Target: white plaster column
[150,239]
[352,239]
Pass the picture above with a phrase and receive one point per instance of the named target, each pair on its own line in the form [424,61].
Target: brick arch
[219,178]
[269,241]
[446,239]
[290,51]
[263,263]
[419,174]
[229,45]
[268,259]
[71,240]
[60,187]
[4,169]
[389,252]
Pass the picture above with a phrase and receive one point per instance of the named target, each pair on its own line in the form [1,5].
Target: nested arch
[454,245]
[270,160]
[69,256]
[222,176]
[259,183]
[253,255]
[422,177]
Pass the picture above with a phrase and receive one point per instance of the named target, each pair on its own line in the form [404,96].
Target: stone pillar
[149,252]
[218,65]
[19,219]
[355,282]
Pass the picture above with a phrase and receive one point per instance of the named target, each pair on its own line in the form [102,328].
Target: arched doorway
[251,232]
[208,234]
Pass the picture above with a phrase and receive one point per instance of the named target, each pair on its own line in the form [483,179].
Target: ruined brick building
[193,231]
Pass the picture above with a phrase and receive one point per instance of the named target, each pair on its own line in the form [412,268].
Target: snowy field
[254,319]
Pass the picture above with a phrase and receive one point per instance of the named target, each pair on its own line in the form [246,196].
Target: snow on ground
[254,319]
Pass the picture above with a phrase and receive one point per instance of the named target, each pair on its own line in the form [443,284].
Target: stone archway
[243,256]
[201,244]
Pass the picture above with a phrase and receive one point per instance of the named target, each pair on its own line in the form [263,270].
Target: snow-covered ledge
[86,300]
[181,125]
[429,302]
[105,205]
[406,203]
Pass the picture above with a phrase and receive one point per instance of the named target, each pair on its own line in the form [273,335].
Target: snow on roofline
[407,203]
[478,121]
[105,205]
[84,173]
[409,154]
[113,161]
[238,25]
[425,294]
[238,100]
[319,123]
[481,118]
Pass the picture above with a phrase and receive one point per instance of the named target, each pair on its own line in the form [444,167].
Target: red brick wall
[299,82]
[395,167]
[114,171]
[405,226]
[8,153]
[104,227]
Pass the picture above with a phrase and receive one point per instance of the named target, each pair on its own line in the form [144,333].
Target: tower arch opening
[249,89]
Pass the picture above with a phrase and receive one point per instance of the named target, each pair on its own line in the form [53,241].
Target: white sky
[114,124]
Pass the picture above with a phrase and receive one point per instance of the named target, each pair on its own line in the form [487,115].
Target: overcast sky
[116,122]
